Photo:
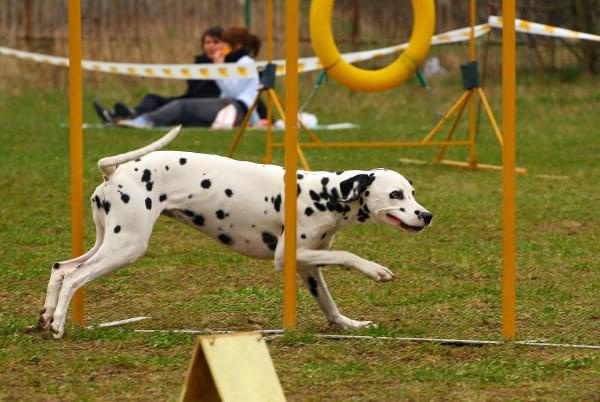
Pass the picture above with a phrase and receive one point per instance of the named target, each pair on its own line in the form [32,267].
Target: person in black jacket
[237,94]
[212,44]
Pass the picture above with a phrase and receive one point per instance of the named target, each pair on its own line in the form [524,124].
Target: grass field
[448,277]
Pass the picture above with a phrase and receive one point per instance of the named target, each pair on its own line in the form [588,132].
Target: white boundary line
[441,341]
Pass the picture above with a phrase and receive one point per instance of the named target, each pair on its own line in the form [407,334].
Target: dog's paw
[44,320]
[347,323]
[378,273]
[57,333]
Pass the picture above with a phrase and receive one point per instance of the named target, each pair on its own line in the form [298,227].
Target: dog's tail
[109,164]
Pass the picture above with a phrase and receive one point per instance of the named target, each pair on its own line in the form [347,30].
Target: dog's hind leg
[111,256]
[59,269]
[314,281]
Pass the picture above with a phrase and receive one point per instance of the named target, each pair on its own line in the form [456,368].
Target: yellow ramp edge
[232,367]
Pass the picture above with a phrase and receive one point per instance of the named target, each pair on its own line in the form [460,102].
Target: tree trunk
[587,19]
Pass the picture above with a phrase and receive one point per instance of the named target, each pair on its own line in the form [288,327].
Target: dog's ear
[353,187]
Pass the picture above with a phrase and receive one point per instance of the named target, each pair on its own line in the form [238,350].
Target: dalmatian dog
[239,204]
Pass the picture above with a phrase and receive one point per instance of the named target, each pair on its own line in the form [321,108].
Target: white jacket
[242,89]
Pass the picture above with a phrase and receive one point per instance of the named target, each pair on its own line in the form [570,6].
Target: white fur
[240,204]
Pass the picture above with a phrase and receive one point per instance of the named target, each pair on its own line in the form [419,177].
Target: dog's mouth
[398,222]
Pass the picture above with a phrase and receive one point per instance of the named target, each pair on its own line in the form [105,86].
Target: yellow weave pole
[76,146]
[290,160]
[268,158]
[472,17]
[508,173]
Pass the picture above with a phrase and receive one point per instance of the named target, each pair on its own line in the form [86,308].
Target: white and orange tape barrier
[229,70]
[234,70]
[535,28]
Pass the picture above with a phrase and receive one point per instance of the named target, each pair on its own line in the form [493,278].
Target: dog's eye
[397,195]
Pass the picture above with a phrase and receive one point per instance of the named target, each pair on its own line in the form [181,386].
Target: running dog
[239,204]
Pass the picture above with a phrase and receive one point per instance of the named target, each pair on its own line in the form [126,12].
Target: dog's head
[387,197]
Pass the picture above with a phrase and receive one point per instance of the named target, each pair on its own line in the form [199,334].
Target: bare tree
[587,19]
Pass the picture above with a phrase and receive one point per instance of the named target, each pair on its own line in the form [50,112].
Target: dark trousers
[192,112]
[151,102]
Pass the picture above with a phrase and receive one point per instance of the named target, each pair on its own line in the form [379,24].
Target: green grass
[448,278]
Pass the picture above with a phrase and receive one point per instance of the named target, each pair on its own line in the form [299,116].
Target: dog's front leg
[377,272]
[314,281]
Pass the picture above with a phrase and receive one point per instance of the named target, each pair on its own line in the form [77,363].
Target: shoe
[226,118]
[138,122]
[104,114]
[123,111]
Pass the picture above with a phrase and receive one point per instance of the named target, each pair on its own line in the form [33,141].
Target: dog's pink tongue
[393,219]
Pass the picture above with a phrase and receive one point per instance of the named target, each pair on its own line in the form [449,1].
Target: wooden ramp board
[232,367]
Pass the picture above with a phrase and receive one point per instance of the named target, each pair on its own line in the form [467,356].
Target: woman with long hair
[237,94]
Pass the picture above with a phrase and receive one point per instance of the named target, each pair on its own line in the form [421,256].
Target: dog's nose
[426,216]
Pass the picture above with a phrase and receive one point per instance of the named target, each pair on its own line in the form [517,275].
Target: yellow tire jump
[359,79]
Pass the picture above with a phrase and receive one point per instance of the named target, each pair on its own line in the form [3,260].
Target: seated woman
[237,94]
[212,43]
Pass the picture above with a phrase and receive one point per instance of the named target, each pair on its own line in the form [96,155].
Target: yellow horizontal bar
[376,144]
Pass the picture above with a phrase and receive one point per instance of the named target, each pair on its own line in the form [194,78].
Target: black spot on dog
[117,229]
[136,169]
[320,207]
[137,160]
[198,220]
[182,161]
[300,176]
[190,196]
[324,236]
[220,214]
[270,240]
[98,202]
[303,236]
[324,181]
[313,194]
[334,194]
[205,183]
[56,265]
[120,186]
[308,211]
[339,172]
[146,175]
[125,198]
[149,185]
[228,192]
[225,239]
[277,202]
[298,191]
[166,167]
[266,199]
[188,212]
[148,203]
[363,214]
[162,198]
[106,206]
[313,286]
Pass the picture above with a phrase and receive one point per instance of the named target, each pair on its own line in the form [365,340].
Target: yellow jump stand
[471,84]
[267,84]
[232,368]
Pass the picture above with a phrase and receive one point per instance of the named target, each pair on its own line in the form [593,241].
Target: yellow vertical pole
[472,17]
[508,173]
[269,143]
[76,145]
[290,160]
